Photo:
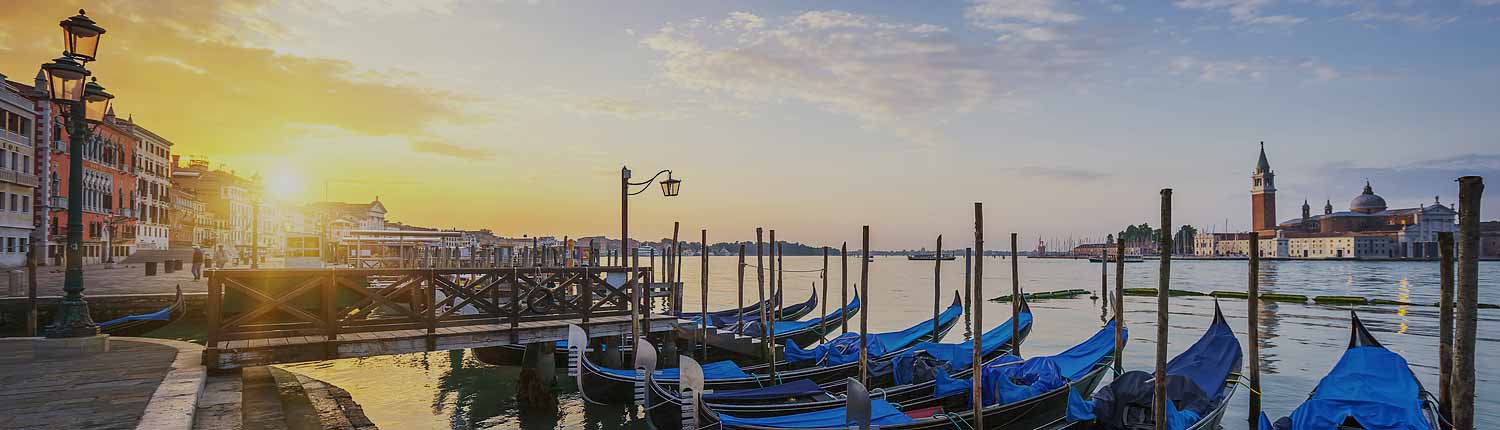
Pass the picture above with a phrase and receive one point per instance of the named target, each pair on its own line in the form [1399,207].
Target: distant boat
[930,257]
[1128,259]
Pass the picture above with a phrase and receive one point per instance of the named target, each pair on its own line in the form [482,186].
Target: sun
[284,186]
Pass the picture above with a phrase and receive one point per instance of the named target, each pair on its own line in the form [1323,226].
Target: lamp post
[669,188]
[65,84]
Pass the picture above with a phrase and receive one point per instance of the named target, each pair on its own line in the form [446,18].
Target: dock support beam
[538,372]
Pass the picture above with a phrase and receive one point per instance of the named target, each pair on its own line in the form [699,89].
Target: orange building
[109,187]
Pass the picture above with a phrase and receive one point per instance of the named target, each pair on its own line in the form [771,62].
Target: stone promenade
[44,385]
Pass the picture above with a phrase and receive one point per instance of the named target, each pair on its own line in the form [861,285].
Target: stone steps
[269,398]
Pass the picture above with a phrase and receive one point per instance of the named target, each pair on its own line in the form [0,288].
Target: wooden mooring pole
[1254,328]
[823,313]
[1015,298]
[968,280]
[1445,324]
[1159,403]
[864,311]
[740,280]
[1120,305]
[977,394]
[1461,393]
[844,284]
[937,285]
[770,321]
[703,301]
[760,284]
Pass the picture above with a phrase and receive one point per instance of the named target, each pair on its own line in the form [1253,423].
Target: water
[1299,342]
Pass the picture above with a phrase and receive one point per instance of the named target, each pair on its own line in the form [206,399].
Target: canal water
[1299,342]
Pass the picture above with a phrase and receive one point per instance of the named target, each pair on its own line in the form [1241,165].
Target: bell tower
[1263,194]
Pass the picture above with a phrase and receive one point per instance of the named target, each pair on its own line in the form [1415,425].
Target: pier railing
[281,303]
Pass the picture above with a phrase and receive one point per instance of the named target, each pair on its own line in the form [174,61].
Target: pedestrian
[220,257]
[197,263]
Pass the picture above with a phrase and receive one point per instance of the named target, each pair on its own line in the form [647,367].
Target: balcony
[57,202]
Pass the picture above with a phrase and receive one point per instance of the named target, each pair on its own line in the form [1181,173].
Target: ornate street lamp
[96,101]
[669,188]
[81,35]
[65,83]
[65,79]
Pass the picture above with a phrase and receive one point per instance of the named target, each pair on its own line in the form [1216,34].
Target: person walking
[220,257]
[197,263]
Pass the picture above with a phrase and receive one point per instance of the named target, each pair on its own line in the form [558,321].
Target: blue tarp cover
[784,327]
[845,347]
[1210,360]
[711,371]
[882,413]
[800,387]
[1371,384]
[955,356]
[1006,383]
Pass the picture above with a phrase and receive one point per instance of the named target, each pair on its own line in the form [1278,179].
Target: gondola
[1200,382]
[724,317]
[136,325]
[1371,387]
[1041,402]
[512,355]
[803,332]
[610,385]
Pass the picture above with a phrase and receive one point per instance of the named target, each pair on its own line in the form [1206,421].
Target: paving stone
[103,390]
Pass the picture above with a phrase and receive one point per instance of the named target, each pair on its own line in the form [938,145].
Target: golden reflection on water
[1403,295]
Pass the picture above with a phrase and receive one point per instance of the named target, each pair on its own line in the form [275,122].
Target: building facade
[18,178]
[152,166]
[228,207]
[1367,230]
[109,187]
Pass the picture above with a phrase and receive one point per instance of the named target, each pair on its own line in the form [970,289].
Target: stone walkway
[41,387]
[125,279]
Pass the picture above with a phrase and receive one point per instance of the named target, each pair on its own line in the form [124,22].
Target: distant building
[1094,249]
[1367,230]
[227,199]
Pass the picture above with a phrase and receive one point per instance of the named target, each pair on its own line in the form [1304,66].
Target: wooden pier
[269,316]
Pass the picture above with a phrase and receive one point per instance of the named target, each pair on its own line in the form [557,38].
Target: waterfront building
[18,179]
[227,198]
[109,187]
[1369,229]
[153,183]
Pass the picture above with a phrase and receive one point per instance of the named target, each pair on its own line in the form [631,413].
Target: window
[10,244]
[25,203]
[15,161]
[26,164]
[14,202]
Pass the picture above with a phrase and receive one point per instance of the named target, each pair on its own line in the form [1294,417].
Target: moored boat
[1370,387]
[136,325]
[604,384]
[1200,382]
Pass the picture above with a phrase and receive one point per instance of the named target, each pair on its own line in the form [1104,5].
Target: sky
[1064,118]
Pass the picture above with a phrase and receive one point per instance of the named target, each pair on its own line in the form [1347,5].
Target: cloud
[1414,183]
[1242,11]
[1422,20]
[1034,11]
[902,77]
[434,146]
[176,62]
[1251,69]
[1062,173]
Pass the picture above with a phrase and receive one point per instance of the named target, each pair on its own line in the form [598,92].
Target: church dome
[1367,202]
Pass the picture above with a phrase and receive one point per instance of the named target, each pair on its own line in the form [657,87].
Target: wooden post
[215,309]
[587,289]
[864,312]
[1159,404]
[330,306]
[977,398]
[703,301]
[1445,324]
[652,264]
[844,284]
[823,314]
[1254,328]
[1104,275]
[31,311]
[740,313]
[1120,306]
[635,296]
[1015,298]
[760,285]
[968,279]
[1461,387]
[776,291]
[937,285]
